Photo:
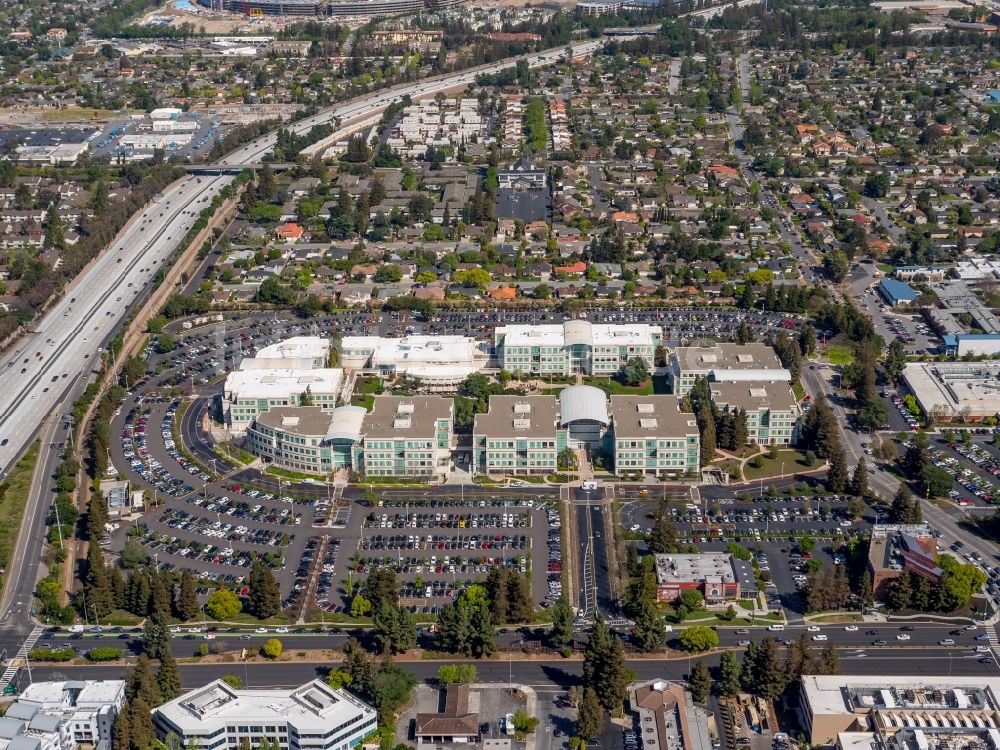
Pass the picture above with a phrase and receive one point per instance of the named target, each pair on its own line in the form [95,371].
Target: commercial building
[955,300]
[249,393]
[440,363]
[406,436]
[668,717]
[895,548]
[724,363]
[328,8]
[518,435]
[772,410]
[220,716]
[62,714]
[456,723]
[947,391]
[975,344]
[576,346]
[296,353]
[901,712]
[713,574]
[651,435]
[306,438]
[896,293]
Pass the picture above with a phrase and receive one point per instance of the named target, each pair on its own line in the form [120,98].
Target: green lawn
[13,494]
[614,388]
[275,471]
[839,355]
[799,391]
[793,461]
[884,268]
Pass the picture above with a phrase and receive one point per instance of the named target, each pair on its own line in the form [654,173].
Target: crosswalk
[14,664]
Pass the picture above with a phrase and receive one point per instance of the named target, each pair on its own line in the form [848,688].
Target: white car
[813,629]
[851,628]
[260,630]
[820,637]
[903,637]
[281,630]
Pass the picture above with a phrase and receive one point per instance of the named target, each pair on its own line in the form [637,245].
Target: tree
[524,723]
[233,680]
[769,675]
[264,594]
[836,265]
[698,638]
[141,683]
[648,633]
[395,630]
[859,480]
[167,677]
[141,723]
[604,666]
[223,605]
[589,716]
[837,478]
[465,624]
[634,372]
[381,587]
[449,674]
[664,537]
[699,682]
[360,607]
[155,637]
[100,597]
[905,508]
[187,600]
[729,675]
[561,632]
[272,648]
[829,662]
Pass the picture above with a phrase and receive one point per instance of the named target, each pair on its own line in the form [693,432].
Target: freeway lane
[61,349]
[548,676]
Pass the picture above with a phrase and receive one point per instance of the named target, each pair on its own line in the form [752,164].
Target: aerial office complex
[724,363]
[61,715]
[946,391]
[440,363]
[651,435]
[576,346]
[327,8]
[901,713]
[220,716]
[406,436]
[306,438]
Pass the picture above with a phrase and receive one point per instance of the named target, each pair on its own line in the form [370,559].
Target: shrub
[44,653]
[272,649]
[104,653]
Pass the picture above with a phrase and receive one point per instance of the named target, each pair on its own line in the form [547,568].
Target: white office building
[439,362]
[292,372]
[576,346]
[312,717]
[62,714]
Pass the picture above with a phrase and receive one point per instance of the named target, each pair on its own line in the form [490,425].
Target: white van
[775,628]
[76,628]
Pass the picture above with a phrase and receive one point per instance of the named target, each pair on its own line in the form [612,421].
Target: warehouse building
[651,435]
[440,363]
[724,363]
[312,716]
[772,410]
[896,293]
[518,435]
[949,391]
[406,436]
[306,438]
[900,712]
[575,347]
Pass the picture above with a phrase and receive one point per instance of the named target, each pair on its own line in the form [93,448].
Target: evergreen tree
[117,584]
[741,434]
[100,597]
[916,456]
[561,632]
[122,731]
[664,537]
[837,478]
[168,679]
[905,508]
[187,600]
[159,595]
[521,607]
[829,661]
[859,480]
[699,682]
[264,594]
[155,635]
[589,716]
[865,590]
[604,666]
[141,723]
[395,631]
[141,683]
[770,677]
[648,633]
[729,675]
[496,588]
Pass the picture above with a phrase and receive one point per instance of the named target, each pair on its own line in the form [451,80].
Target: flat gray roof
[304,421]
[754,356]
[651,416]
[518,417]
[405,416]
[755,395]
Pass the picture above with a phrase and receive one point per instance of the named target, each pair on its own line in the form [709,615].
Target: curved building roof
[583,402]
[345,423]
[578,332]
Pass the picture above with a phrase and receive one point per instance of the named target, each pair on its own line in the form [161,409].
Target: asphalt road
[550,676]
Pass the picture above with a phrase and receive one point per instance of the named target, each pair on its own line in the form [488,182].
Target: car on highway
[851,628]
[903,637]
[880,642]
